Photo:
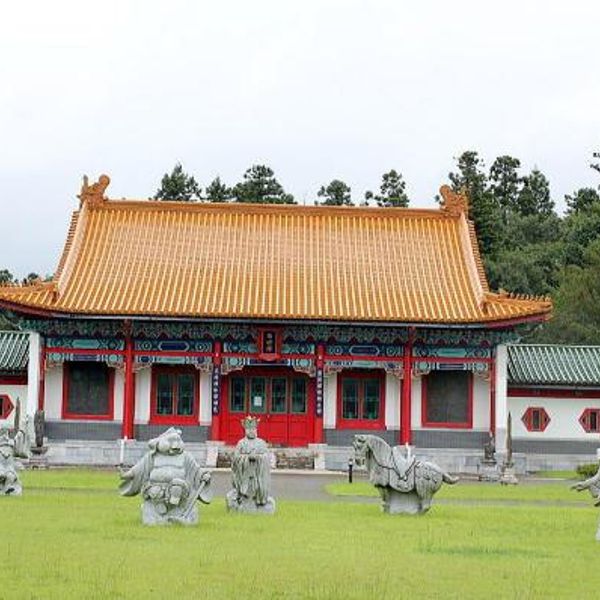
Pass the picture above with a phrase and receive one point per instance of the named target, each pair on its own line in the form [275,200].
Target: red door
[282,399]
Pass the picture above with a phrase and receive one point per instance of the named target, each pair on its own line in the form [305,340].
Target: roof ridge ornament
[455,203]
[93,194]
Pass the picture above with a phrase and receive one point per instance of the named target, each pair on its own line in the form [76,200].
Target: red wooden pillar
[42,376]
[319,393]
[217,358]
[129,392]
[493,396]
[405,402]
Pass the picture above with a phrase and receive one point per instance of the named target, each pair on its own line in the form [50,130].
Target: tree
[31,278]
[534,196]
[577,304]
[505,183]
[260,187]
[581,228]
[392,191]
[178,186]
[581,200]
[483,207]
[6,276]
[218,191]
[337,193]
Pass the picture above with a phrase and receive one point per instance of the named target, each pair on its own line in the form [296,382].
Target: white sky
[316,89]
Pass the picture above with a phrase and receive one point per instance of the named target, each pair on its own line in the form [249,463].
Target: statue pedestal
[508,476]
[488,471]
[399,503]
[248,506]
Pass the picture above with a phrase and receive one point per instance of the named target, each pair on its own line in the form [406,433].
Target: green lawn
[72,536]
[552,491]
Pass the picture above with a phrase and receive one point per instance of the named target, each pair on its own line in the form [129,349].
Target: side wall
[563,435]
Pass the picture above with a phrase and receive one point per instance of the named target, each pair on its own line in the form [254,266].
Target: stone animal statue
[406,485]
[169,480]
[251,473]
[10,449]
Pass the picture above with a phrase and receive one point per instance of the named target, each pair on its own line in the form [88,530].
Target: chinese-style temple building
[323,321]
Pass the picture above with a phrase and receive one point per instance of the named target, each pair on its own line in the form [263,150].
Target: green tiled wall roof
[14,351]
[530,364]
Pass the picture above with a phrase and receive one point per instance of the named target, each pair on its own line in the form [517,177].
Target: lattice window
[6,406]
[535,418]
[590,420]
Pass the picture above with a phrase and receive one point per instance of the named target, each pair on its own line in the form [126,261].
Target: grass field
[71,536]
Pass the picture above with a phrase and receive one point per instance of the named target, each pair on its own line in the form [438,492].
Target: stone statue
[406,484]
[593,486]
[170,481]
[487,469]
[10,449]
[489,450]
[251,473]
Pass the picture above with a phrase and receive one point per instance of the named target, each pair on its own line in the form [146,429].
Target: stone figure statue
[251,473]
[489,450]
[593,486]
[406,485]
[508,475]
[169,480]
[10,449]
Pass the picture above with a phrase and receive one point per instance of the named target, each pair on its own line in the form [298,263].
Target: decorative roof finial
[454,203]
[94,194]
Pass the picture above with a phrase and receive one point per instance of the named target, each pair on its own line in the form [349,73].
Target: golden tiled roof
[181,259]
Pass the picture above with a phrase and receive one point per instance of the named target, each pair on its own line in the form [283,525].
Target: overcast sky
[316,89]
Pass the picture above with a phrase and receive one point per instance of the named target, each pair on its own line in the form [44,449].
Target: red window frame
[6,406]
[544,419]
[360,423]
[468,424]
[584,420]
[155,418]
[108,416]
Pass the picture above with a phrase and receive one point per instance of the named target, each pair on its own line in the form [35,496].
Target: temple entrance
[281,398]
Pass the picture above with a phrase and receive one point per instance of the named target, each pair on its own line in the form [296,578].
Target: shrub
[587,470]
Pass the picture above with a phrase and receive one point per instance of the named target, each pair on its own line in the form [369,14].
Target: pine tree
[392,191]
[218,191]
[484,210]
[534,196]
[178,186]
[337,193]
[582,200]
[505,184]
[260,187]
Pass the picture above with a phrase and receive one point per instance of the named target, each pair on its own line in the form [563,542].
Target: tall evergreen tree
[218,191]
[505,183]
[178,186]
[534,196]
[260,186]
[483,207]
[6,276]
[337,193]
[392,192]
[582,200]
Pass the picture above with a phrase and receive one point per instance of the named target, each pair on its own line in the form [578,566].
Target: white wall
[14,392]
[205,398]
[393,386]
[118,394]
[564,416]
[143,381]
[53,392]
[329,400]
[481,404]
[30,404]
[415,400]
